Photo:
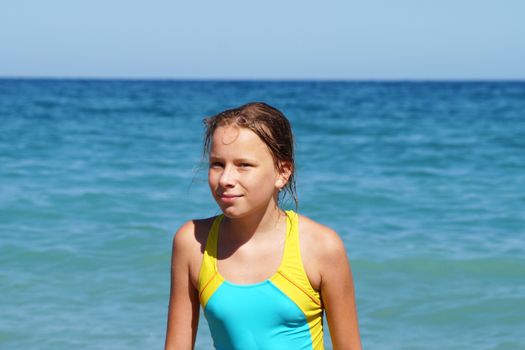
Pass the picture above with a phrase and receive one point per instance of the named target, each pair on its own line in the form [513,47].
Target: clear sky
[271,39]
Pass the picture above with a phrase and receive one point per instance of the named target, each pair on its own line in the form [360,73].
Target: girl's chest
[250,265]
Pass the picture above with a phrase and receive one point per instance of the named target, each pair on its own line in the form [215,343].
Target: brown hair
[272,127]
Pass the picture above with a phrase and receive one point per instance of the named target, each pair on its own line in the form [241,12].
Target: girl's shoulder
[321,250]
[319,240]
[189,243]
[193,232]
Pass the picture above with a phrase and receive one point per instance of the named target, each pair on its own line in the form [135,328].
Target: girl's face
[242,176]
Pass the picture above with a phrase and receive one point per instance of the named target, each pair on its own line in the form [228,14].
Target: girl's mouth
[229,198]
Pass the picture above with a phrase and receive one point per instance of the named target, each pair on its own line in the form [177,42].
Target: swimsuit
[282,312]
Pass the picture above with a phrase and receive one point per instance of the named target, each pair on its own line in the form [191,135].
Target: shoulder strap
[211,242]
[292,267]
[209,259]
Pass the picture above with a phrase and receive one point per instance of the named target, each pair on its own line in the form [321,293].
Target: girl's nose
[227,178]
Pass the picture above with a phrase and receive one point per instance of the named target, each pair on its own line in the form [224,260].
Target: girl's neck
[255,224]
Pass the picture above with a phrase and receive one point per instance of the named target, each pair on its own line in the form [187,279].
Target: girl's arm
[337,291]
[183,313]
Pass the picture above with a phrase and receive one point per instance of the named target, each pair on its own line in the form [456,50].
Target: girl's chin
[231,213]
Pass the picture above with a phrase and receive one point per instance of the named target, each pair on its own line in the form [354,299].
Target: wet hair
[272,127]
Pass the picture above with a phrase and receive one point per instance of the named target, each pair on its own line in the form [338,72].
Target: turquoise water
[425,182]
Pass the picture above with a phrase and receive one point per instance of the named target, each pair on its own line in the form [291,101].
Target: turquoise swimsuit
[282,312]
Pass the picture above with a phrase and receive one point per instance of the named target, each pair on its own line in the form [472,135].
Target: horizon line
[256,79]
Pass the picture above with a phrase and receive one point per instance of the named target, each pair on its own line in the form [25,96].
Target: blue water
[425,182]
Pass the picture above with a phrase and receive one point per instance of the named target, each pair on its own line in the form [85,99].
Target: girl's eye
[245,165]
[215,165]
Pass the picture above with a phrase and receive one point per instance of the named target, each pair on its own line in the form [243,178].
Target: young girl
[263,275]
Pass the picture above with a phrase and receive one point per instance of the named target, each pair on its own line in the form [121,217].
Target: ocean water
[424,181]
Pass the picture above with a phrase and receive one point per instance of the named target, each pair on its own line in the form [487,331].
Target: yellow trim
[292,280]
[292,265]
[302,289]
[209,280]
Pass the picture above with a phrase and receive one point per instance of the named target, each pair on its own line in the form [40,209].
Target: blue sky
[286,39]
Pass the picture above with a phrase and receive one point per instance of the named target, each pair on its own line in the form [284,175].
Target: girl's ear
[285,171]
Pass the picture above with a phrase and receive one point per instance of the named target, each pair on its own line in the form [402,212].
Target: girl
[263,275]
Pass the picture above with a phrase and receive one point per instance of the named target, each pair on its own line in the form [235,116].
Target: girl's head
[269,125]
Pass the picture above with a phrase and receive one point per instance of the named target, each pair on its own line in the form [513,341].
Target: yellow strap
[208,281]
[292,280]
[292,264]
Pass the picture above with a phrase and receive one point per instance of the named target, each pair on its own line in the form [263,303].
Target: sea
[423,180]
